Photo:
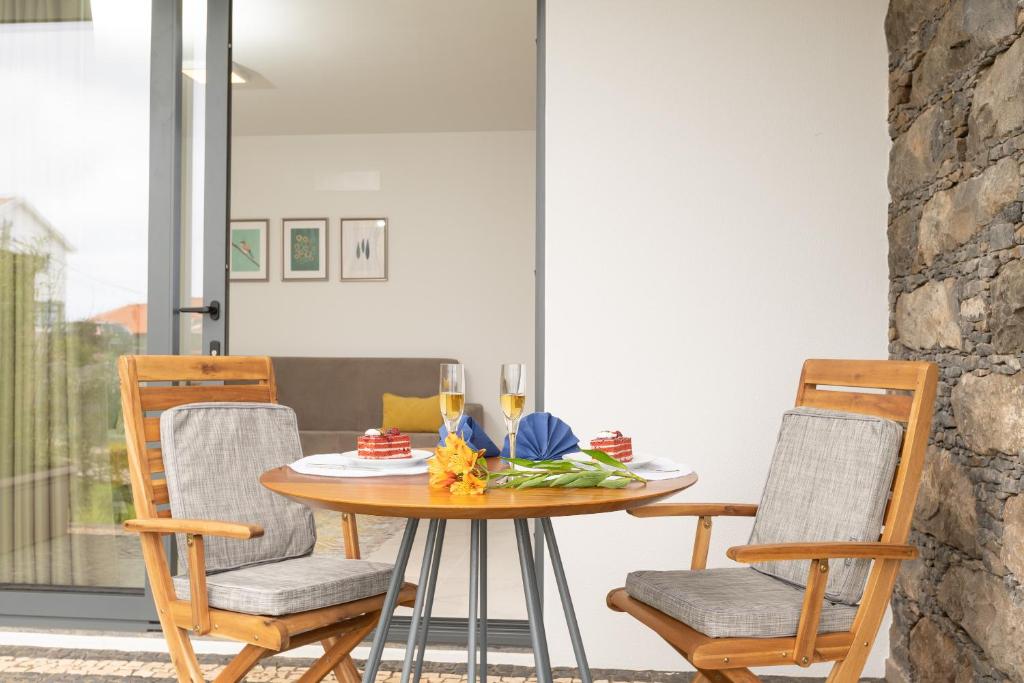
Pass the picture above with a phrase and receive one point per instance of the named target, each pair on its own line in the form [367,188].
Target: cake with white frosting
[614,444]
[377,445]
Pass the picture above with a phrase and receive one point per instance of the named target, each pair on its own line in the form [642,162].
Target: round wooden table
[411,498]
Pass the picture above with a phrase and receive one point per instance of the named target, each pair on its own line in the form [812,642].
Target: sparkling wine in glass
[513,400]
[453,394]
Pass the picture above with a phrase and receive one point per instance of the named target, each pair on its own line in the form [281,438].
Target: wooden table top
[409,496]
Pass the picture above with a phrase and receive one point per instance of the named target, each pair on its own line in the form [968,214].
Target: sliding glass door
[100,215]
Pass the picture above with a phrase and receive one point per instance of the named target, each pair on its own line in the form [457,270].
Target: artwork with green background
[304,248]
[246,256]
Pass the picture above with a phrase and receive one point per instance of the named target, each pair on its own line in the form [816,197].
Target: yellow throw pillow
[412,413]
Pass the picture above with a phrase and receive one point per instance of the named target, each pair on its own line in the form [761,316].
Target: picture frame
[304,249]
[249,250]
[364,249]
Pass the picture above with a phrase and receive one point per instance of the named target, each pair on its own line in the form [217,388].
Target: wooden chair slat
[162,397]
[151,428]
[200,368]
[155,458]
[164,514]
[160,495]
[877,374]
[890,406]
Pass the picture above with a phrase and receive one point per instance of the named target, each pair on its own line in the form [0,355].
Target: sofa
[337,399]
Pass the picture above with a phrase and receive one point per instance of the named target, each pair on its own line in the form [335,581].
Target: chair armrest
[475,411]
[821,551]
[198,527]
[194,530]
[696,510]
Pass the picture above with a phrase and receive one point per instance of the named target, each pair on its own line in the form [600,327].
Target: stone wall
[957,298]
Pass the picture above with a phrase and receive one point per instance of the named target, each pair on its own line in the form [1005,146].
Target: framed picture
[364,249]
[249,254]
[305,249]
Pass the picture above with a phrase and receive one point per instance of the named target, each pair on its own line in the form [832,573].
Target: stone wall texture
[956,240]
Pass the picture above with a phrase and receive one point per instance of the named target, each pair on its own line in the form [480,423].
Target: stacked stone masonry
[956,262]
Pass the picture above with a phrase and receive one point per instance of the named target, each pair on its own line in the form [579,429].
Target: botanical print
[364,249]
[248,251]
[305,248]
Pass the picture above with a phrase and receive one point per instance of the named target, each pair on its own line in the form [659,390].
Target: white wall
[461,238]
[716,211]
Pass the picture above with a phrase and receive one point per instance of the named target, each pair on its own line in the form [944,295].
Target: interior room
[512,341]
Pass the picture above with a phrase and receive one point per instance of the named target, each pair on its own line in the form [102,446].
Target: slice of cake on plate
[390,445]
[614,444]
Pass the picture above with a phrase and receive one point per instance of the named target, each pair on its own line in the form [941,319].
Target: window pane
[74,121]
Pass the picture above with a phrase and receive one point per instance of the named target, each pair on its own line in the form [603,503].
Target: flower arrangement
[458,468]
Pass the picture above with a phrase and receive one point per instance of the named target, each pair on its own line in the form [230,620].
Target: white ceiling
[376,66]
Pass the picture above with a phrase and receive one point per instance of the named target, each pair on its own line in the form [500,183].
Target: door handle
[213,310]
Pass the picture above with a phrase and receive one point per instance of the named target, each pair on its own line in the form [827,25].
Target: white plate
[639,460]
[418,456]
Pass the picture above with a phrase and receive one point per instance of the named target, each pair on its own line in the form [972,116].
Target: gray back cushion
[214,454]
[829,481]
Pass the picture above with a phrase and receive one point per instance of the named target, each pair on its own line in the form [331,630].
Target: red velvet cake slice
[614,444]
[389,445]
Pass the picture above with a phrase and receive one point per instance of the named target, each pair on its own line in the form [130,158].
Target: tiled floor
[27,664]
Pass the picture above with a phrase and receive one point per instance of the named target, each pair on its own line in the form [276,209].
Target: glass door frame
[132,608]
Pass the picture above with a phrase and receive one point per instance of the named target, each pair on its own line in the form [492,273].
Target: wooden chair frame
[149,385]
[728,659]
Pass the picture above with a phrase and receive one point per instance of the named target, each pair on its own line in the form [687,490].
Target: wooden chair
[150,385]
[728,658]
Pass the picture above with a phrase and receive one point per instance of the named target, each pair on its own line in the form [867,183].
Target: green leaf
[587,480]
[566,479]
[521,462]
[535,482]
[605,459]
[614,483]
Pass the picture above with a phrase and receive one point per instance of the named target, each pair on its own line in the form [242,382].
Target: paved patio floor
[31,664]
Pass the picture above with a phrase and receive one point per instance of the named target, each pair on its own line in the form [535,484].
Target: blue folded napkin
[542,436]
[473,434]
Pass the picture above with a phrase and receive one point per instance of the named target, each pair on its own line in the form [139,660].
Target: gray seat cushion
[732,602]
[829,481]
[214,454]
[295,585]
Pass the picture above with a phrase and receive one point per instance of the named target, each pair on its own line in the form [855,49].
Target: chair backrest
[909,396]
[153,384]
[910,400]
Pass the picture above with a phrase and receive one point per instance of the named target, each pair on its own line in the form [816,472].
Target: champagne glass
[513,400]
[453,394]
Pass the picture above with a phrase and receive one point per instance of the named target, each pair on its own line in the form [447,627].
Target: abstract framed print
[305,249]
[364,249]
[249,250]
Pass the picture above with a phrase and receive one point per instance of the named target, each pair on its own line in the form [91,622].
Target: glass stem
[512,443]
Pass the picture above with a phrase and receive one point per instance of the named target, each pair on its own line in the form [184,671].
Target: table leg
[421,590]
[533,604]
[474,598]
[429,604]
[563,593]
[390,602]
[483,601]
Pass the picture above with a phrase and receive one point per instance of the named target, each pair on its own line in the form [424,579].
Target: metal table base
[476,641]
